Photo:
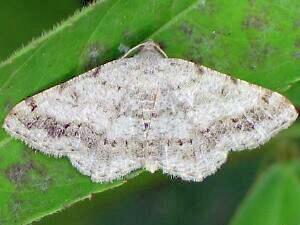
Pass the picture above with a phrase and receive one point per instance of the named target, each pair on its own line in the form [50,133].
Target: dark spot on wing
[180,142]
[62,86]
[141,145]
[66,125]
[74,95]
[114,143]
[200,69]
[168,142]
[53,129]
[224,91]
[30,102]
[266,97]
[153,115]
[96,72]
[146,125]
[105,141]
[118,107]
[233,80]
[234,120]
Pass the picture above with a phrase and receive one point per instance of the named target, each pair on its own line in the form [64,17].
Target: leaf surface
[274,199]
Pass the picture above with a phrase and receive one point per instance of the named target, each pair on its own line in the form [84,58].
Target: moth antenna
[146,46]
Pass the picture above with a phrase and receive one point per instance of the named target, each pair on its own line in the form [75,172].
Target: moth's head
[151,49]
[148,49]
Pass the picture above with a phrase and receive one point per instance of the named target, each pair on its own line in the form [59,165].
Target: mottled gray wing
[88,119]
[204,114]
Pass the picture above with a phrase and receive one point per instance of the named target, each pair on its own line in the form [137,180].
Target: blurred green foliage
[274,199]
[255,40]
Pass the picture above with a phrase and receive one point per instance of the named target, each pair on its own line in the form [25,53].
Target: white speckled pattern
[149,112]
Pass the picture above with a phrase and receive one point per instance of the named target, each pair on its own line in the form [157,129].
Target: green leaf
[254,40]
[24,24]
[293,93]
[274,199]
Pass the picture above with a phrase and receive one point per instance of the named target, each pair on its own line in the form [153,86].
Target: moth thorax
[149,52]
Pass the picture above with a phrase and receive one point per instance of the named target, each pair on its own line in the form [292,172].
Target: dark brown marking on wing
[96,72]
[62,86]
[200,69]
[57,129]
[266,96]
[233,80]
[246,122]
[30,102]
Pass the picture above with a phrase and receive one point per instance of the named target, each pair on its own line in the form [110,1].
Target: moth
[149,111]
